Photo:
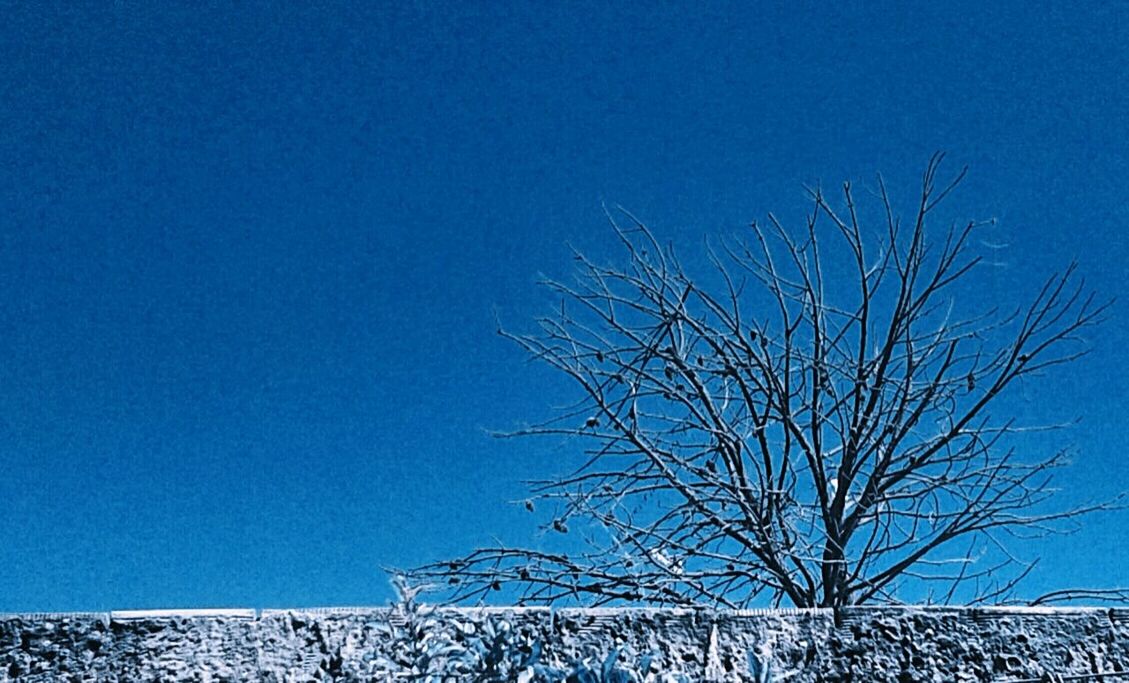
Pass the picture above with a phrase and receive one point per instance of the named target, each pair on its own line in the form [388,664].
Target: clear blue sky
[249,255]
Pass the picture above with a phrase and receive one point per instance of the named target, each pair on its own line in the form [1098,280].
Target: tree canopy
[811,423]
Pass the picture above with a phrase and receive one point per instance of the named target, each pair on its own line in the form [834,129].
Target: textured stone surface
[898,645]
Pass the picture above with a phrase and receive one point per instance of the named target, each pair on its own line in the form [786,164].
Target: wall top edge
[54,616]
[135,614]
[252,613]
[500,610]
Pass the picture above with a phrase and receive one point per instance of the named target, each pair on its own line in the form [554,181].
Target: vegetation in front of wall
[425,647]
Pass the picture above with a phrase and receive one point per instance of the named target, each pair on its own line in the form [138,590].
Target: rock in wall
[879,644]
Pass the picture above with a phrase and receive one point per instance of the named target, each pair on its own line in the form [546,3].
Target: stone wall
[801,646]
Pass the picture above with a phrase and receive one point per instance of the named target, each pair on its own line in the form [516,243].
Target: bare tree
[809,424]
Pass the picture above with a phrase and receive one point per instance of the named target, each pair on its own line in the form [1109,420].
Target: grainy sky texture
[250,255]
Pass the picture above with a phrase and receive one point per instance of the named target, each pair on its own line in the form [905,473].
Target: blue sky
[250,254]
